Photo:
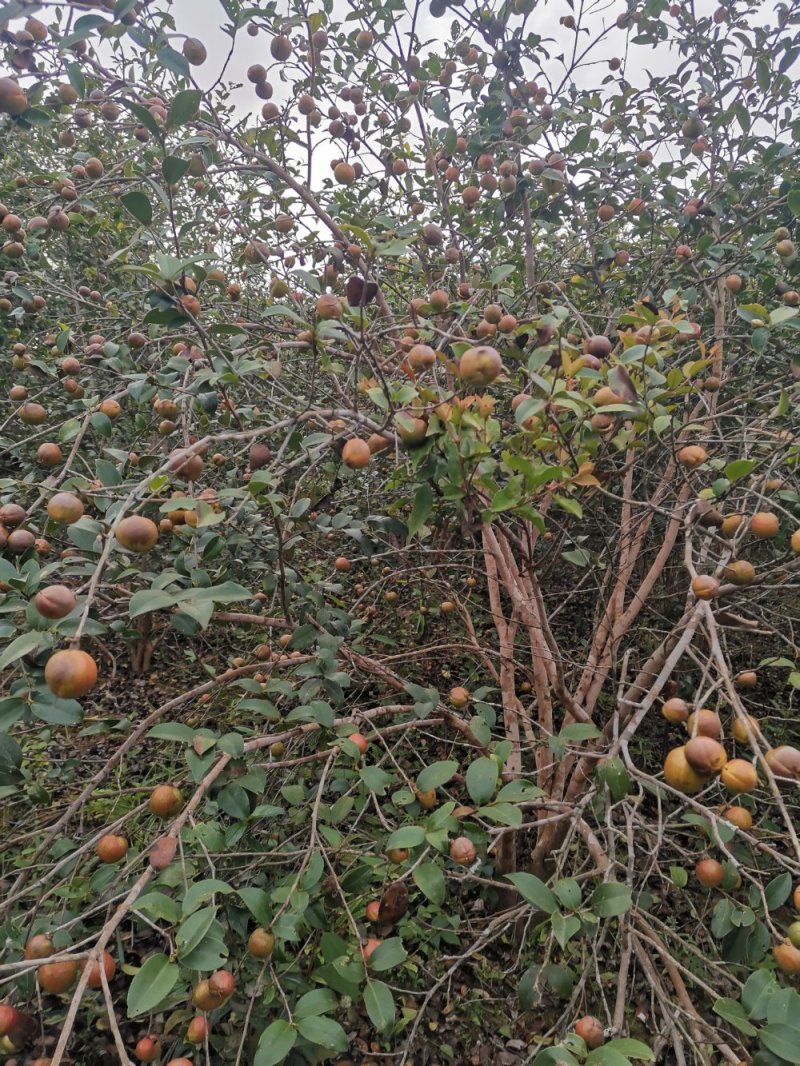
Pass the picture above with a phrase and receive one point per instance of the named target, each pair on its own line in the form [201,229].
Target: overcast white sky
[203,19]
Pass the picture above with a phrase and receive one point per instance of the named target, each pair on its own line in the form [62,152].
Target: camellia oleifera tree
[399,527]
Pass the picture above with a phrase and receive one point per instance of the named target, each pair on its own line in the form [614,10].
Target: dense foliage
[399,530]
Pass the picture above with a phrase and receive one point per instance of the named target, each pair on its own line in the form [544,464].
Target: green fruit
[793,933]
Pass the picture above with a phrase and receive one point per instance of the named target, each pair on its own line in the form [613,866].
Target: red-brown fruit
[109,967]
[54,601]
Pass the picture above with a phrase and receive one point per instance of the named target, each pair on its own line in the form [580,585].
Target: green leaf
[25,643]
[429,879]
[174,61]
[678,876]
[501,272]
[555,1056]
[633,1049]
[375,779]
[481,779]
[183,107]
[535,891]
[793,200]
[612,773]
[579,731]
[438,773]
[275,1043]
[233,800]
[421,509]
[782,314]
[783,1040]
[83,28]
[387,955]
[317,1001]
[777,891]
[566,503]
[568,892]
[606,1056]
[733,1013]
[759,988]
[54,710]
[564,929]
[194,929]
[174,168]
[139,206]
[739,468]
[151,985]
[407,836]
[379,1004]
[200,891]
[324,1032]
[184,734]
[611,899]
[147,600]
[158,905]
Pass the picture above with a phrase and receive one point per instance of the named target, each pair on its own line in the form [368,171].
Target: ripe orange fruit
[739,729]
[55,601]
[39,946]
[329,306]
[705,587]
[111,848]
[342,564]
[70,673]
[356,454]
[359,740]
[459,697]
[463,851]
[705,755]
[739,816]
[197,1029]
[421,357]
[480,366]
[137,534]
[787,957]
[57,977]
[148,1049]
[49,454]
[344,173]
[65,508]
[261,943]
[693,455]
[32,414]
[709,873]
[738,775]
[784,761]
[368,948]
[731,524]
[373,910]
[679,775]
[95,975]
[675,709]
[222,983]
[590,1030]
[740,572]
[165,801]
[704,723]
[765,525]
[746,679]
